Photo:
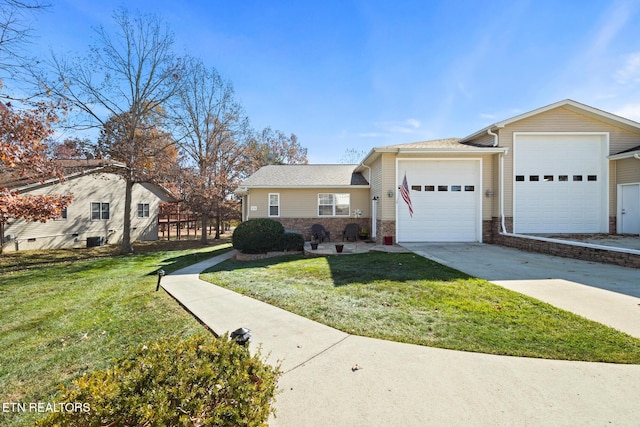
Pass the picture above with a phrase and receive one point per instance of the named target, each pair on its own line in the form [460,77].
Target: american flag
[404,191]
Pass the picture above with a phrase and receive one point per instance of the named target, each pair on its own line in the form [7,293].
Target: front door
[630,209]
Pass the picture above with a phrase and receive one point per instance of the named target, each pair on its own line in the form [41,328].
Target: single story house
[96,214]
[563,168]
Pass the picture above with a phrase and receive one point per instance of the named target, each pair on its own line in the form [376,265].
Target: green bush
[256,236]
[200,380]
[291,242]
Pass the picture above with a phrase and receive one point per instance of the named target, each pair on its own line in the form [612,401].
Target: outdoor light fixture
[390,193]
[241,336]
[160,276]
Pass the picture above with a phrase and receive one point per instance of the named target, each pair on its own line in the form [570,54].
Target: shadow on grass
[357,268]
[170,265]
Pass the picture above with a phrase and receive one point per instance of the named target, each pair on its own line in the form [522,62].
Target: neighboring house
[563,168]
[96,214]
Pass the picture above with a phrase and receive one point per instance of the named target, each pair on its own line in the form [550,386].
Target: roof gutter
[495,144]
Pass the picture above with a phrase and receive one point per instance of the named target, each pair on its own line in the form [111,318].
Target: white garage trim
[595,214]
[476,232]
[628,211]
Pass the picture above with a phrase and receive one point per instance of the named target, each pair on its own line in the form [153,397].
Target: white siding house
[94,217]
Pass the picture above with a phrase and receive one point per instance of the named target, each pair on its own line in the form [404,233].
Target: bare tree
[127,76]
[16,32]
[274,147]
[211,129]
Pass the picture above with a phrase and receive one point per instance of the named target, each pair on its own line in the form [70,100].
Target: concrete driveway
[605,293]
[331,378]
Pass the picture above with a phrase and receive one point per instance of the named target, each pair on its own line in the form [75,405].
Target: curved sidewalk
[403,384]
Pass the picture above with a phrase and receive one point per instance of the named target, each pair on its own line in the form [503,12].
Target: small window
[31,239]
[429,188]
[143,210]
[469,188]
[99,211]
[577,177]
[443,188]
[534,178]
[456,188]
[519,178]
[63,215]
[592,177]
[274,204]
[548,178]
[416,187]
[563,178]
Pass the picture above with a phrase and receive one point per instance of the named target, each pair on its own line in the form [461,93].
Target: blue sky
[344,74]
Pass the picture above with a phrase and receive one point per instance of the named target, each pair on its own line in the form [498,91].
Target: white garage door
[445,195]
[560,183]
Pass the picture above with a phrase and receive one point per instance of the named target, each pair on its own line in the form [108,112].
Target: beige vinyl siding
[562,120]
[97,187]
[487,184]
[388,204]
[387,181]
[303,203]
[627,171]
[376,185]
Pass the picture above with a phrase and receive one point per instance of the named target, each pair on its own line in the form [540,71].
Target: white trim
[619,204]
[269,205]
[604,182]
[333,214]
[627,155]
[91,211]
[479,191]
[572,243]
[566,102]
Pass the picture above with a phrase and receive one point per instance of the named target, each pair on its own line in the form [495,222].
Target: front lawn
[72,315]
[404,297]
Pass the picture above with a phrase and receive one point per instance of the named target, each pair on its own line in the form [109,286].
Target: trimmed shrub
[291,242]
[199,380]
[257,236]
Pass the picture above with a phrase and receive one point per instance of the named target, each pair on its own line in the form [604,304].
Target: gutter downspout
[501,178]
[636,156]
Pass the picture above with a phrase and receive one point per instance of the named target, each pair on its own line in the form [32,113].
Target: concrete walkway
[332,378]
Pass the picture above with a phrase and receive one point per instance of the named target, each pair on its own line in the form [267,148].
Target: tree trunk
[127,248]
[217,224]
[203,238]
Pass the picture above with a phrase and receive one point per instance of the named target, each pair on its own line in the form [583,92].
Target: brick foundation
[335,226]
[385,228]
[491,232]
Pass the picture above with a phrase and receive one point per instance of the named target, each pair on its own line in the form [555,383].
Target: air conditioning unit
[9,237]
[92,242]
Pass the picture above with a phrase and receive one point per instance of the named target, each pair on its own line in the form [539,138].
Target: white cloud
[630,72]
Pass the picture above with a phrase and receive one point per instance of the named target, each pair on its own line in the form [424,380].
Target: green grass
[65,318]
[406,298]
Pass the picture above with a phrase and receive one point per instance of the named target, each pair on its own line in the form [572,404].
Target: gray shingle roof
[305,176]
[441,144]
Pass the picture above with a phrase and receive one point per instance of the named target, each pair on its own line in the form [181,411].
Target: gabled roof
[567,103]
[304,176]
[446,145]
[70,168]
